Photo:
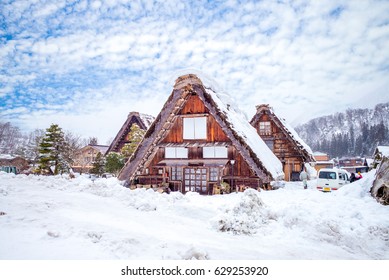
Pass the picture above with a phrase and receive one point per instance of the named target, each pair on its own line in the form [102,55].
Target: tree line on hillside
[355,132]
[347,144]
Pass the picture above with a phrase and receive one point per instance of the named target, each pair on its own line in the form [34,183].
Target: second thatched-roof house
[198,141]
[283,140]
[142,120]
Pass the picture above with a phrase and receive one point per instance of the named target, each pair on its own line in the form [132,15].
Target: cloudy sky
[86,64]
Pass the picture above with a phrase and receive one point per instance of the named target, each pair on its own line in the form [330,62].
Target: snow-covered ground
[60,218]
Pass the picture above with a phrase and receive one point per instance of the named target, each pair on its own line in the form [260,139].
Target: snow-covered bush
[245,217]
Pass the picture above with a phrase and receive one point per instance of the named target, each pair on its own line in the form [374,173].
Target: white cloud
[78,61]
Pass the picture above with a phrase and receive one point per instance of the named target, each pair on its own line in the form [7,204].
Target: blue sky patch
[92,62]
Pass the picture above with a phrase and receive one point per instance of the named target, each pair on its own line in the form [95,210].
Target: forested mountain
[355,132]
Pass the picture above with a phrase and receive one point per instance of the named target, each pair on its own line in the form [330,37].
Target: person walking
[304,178]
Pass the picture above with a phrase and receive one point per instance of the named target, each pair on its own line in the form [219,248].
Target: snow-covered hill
[61,218]
[354,132]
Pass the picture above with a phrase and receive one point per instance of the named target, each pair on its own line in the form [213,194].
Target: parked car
[331,179]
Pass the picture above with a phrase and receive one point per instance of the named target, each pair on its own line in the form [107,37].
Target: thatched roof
[288,130]
[142,120]
[243,136]
[98,148]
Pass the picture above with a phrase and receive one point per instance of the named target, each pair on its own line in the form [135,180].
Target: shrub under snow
[245,217]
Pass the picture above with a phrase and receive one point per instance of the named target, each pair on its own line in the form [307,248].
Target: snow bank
[360,188]
[245,217]
[61,218]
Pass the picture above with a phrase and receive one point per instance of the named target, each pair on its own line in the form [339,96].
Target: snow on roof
[6,156]
[147,119]
[369,161]
[101,148]
[384,150]
[241,125]
[319,154]
[293,134]
[256,153]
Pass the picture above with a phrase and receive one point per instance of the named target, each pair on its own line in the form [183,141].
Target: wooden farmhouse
[283,140]
[322,160]
[12,164]
[142,120]
[85,157]
[198,141]
[353,164]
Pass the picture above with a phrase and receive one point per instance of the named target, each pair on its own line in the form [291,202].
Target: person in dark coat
[352,177]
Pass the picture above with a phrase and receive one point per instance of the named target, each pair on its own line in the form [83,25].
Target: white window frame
[195,128]
[176,173]
[215,152]
[176,152]
[265,128]
[214,174]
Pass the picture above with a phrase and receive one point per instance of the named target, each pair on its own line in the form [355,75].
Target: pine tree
[92,141]
[351,149]
[114,163]
[51,150]
[135,135]
[98,165]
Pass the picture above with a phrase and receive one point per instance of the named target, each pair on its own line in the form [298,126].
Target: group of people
[355,177]
[304,177]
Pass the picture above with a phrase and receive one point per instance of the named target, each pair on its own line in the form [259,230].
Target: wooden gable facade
[85,157]
[142,120]
[283,141]
[190,147]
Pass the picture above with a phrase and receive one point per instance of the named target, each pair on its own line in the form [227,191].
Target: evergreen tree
[358,146]
[51,150]
[352,141]
[92,141]
[114,163]
[135,135]
[98,165]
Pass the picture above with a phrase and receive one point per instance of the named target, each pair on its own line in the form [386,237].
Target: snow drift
[60,218]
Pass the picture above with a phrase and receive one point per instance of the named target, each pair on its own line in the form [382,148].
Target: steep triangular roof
[384,150]
[234,123]
[144,121]
[288,130]
[98,148]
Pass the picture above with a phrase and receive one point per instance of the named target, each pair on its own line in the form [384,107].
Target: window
[195,180]
[176,152]
[176,173]
[264,128]
[215,152]
[327,175]
[213,174]
[342,176]
[195,128]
